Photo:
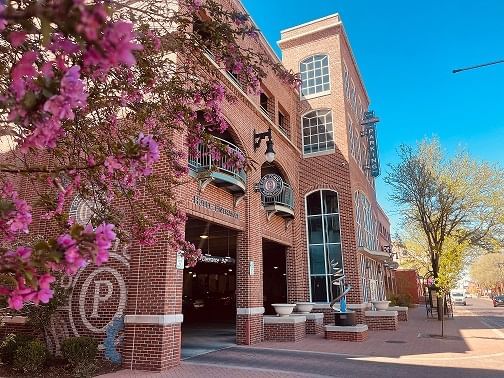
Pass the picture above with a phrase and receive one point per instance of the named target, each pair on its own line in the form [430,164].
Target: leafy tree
[488,271]
[93,98]
[455,202]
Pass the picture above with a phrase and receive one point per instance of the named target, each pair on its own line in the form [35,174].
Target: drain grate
[395,341]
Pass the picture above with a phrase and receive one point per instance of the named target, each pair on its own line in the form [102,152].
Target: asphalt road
[483,308]
[316,364]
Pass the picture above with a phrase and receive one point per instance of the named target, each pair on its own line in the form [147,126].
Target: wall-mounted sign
[215,207]
[180,260]
[271,185]
[369,124]
[218,260]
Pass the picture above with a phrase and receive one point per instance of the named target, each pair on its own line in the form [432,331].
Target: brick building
[317,205]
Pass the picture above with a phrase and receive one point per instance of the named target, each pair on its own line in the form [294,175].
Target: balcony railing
[282,203]
[220,170]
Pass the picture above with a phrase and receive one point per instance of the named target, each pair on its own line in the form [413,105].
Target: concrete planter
[283,309]
[304,307]
[380,305]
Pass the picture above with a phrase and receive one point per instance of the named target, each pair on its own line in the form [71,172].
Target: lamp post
[477,66]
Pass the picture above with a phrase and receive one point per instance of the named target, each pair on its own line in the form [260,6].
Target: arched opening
[276,194]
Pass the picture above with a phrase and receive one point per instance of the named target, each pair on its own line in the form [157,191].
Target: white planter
[304,307]
[380,305]
[283,309]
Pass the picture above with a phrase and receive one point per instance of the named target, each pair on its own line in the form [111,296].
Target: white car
[459,298]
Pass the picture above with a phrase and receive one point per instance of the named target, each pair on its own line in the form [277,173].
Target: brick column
[249,284]
[154,309]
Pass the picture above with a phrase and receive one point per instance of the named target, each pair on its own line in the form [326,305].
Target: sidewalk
[470,348]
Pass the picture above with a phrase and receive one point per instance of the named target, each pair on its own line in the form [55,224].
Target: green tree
[488,270]
[456,203]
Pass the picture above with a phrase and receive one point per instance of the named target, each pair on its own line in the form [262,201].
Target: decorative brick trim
[250,311]
[13,319]
[161,320]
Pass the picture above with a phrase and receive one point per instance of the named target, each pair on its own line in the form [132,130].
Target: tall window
[367,225]
[315,75]
[317,131]
[324,243]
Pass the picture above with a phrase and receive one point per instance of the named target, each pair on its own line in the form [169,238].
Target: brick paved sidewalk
[469,349]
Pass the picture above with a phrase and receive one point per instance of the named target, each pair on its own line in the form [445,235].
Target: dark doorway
[209,301]
[274,275]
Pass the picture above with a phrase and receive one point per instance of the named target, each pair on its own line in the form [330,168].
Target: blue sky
[406,51]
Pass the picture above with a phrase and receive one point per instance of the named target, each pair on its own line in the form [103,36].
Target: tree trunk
[442,314]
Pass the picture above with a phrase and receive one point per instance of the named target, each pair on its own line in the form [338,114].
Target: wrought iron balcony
[218,171]
[282,204]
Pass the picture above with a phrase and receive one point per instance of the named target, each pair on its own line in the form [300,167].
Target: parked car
[498,300]
[459,298]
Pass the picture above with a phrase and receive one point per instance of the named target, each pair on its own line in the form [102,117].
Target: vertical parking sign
[369,124]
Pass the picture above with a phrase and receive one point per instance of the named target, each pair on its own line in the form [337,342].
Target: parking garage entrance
[209,300]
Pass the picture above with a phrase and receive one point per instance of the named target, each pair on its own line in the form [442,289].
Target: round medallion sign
[271,185]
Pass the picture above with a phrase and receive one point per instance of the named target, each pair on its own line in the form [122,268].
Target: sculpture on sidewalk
[339,280]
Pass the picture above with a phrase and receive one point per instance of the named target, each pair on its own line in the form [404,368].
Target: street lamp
[258,137]
[477,66]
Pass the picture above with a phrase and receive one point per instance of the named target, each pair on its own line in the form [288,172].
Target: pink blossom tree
[91,95]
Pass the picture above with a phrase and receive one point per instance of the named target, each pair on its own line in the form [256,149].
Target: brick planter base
[349,333]
[382,320]
[288,328]
[329,312]
[314,323]
[402,313]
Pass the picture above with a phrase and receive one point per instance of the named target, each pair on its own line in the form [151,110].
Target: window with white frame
[353,95]
[315,75]
[324,243]
[346,81]
[367,225]
[318,133]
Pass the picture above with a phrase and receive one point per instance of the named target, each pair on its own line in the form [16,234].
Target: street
[473,347]
[484,310]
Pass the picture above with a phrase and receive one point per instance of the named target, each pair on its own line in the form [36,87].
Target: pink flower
[3,21]
[65,241]
[45,281]
[17,38]
[22,72]
[72,95]
[24,253]
[114,49]
[43,295]
[15,302]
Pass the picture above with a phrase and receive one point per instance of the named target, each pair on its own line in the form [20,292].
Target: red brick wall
[407,283]
[314,326]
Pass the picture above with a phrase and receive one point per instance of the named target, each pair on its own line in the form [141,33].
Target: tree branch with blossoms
[91,95]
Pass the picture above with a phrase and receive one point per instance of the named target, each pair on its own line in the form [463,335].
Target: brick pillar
[249,285]
[154,309]
[297,257]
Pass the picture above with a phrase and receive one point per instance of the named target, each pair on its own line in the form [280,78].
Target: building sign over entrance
[271,185]
[215,207]
[218,259]
[369,124]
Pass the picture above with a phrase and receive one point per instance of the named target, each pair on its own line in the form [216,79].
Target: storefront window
[324,242]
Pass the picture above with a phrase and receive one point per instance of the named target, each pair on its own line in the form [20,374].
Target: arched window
[324,243]
[315,75]
[318,131]
[367,225]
